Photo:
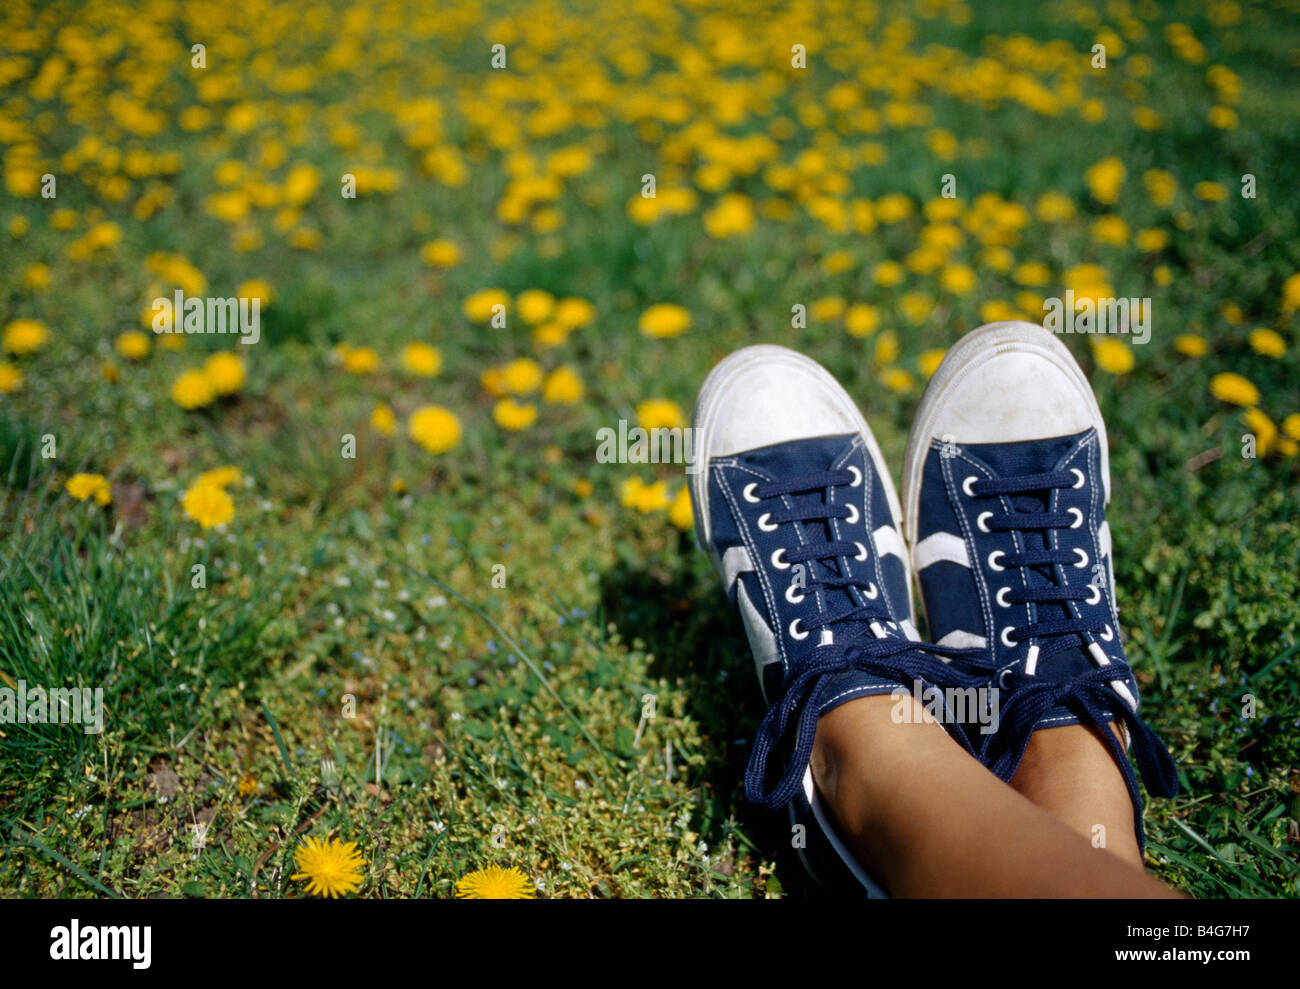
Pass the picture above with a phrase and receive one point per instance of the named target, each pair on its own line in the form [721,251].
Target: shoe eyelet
[966,486]
[1002,678]
[795,633]
[979,521]
[748,493]
[857,477]
[789,591]
[862,552]
[998,597]
[778,559]
[871,593]
[1083,558]
[1094,594]
[852,519]
[1078,518]
[1009,643]
[998,554]
[765,523]
[1108,634]
[1079,474]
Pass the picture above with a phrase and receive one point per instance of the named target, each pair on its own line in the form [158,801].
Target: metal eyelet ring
[979,521]
[862,552]
[871,593]
[1078,518]
[998,597]
[778,559]
[748,493]
[795,633]
[1083,557]
[765,523]
[857,477]
[1079,474]
[1094,594]
[1009,643]
[1108,634]
[966,486]
[789,591]
[1002,678]
[852,519]
[996,554]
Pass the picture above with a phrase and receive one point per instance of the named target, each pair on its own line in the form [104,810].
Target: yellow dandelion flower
[382,420]
[256,288]
[331,868]
[481,306]
[664,320]
[1267,342]
[440,254]
[495,883]
[1190,345]
[36,277]
[208,505]
[1232,388]
[133,345]
[513,415]
[422,359]
[562,386]
[360,360]
[897,380]
[1291,294]
[220,477]
[1210,192]
[247,786]
[1104,179]
[225,372]
[522,376]
[861,319]
[434,428]
[1291,425]
[83,486]
[1112,356]
[192,390]
[534,305]
[644,498]
[1151,240]
[825,309]
[11,378]
[574,313]
[24,336]
[1264,429]
[659,413]
[550,335]
[929,362]
[888,273]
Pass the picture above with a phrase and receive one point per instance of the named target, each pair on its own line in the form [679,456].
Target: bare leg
[929,820]
[1069,772]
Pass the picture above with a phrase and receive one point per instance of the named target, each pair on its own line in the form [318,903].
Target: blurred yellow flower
[83,486]
[513,415]
[1104,180]
[1291,294]
[478,308]
[1112,356]
[664,320]
[11,378]
[133,345]
[256,288]
[24,336]
[1190,345]
[382,420]
[1264,429]
[37,276]
[192,390]
[440,254]
[359,360]
[422,359]
[1232,388]
[656,413]
[929,361]
[573,313]
[645,498]
[225,372]
[522,376]
[208,504]
[562,386]
[434,428]
[534,305]
[861,319]
[1267,342]
[733,215]
[1211,192]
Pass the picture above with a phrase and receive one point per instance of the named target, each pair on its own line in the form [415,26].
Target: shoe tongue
[789,460]
[1009,460]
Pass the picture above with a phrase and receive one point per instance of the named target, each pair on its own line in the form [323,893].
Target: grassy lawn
[416,612]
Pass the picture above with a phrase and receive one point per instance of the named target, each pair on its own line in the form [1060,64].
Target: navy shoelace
[791,721]
[1028,698]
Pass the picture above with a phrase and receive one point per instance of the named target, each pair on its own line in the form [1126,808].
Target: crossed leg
[929,821]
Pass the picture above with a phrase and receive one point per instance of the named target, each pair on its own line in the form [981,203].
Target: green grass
[496,725]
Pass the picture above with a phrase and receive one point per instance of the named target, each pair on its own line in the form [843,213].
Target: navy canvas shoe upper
[804,531]
[1013,555]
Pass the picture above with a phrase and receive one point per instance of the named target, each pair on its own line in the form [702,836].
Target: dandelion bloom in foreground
[1112,356]
[192,390]
[208,504]
[25,336]
[83,486]
[495,883]
[332,868]
[664,320]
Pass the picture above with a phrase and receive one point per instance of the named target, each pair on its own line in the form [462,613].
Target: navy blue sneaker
[794,505]
[1005,481]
